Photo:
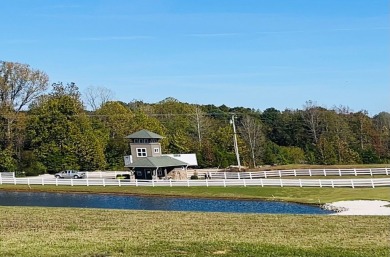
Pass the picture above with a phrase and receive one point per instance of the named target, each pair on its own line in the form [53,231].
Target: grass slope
[27,231]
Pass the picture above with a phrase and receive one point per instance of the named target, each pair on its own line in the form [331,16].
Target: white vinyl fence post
[300,183]
[325,172]
[281,182]
[14,181]
[280,174]
[71,182]
[371,172]
[372,183]
[87,182]
[261,182]
[28,181]
[56,181]
[136,182]
[244,182]
[340,172]
[104,182]
[250,174]
[43,182]
[332,183]
[310,172]
[265,174]
[295,173]
[224,182]
[353,186]
[170,182]
[387,173]
[354,170]
[207,183]
[320,182]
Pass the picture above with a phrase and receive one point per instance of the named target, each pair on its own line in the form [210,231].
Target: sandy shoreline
[360,207]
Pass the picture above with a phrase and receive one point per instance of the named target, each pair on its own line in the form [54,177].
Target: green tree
[112,122]
[223,147]
[7,162]
[19,86]
[61,135]
[382,144]
[177,118]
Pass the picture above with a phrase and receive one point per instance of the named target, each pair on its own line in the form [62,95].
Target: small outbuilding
[146,159]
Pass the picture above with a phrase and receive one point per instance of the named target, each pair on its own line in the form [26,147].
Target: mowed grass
[292,194]
[307,166]
[31,231]
[334,177]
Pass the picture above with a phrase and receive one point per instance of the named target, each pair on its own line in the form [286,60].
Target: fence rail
[215,174]
[370,182]
[291,173]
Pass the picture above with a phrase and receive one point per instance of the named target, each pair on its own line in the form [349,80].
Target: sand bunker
[360,207]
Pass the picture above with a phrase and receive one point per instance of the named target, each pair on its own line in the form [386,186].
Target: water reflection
[152,203]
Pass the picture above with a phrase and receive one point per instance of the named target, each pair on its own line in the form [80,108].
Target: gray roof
[144,134]
[156,162]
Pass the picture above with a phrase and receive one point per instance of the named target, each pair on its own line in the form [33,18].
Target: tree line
[47,128]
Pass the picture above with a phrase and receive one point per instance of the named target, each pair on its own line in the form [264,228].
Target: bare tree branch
[96,97]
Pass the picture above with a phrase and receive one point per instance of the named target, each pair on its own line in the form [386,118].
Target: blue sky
[251,53]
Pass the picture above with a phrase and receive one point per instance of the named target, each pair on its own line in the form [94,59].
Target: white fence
[7,174]
[217,178]
[290,173]
[216,174]
[370,182]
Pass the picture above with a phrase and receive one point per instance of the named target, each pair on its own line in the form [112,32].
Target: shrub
[35,169]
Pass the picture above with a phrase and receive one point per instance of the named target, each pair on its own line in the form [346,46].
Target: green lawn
[307,166]
[302,195]
[333,177]
[28,231]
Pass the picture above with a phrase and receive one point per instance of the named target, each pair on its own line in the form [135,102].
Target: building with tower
[147,160]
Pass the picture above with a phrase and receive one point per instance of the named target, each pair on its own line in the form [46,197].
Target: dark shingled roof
[144,134]
[155,162]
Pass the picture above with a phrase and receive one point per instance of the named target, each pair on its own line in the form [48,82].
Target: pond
[153,203]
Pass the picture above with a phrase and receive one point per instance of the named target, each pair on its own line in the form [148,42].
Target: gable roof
[144,134]
[156,162]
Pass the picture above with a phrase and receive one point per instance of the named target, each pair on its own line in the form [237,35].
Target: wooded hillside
[48,128]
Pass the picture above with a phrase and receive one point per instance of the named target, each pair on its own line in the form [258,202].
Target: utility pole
[235,143]
[198,126]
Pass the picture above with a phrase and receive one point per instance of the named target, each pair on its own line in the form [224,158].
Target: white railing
[104,174]
[370,182]
[7,174]
[249,175]
[290,173]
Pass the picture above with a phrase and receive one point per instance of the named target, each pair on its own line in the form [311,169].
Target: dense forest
[46,128]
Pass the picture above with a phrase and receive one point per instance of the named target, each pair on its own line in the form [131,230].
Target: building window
[156,150]
[141,152]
